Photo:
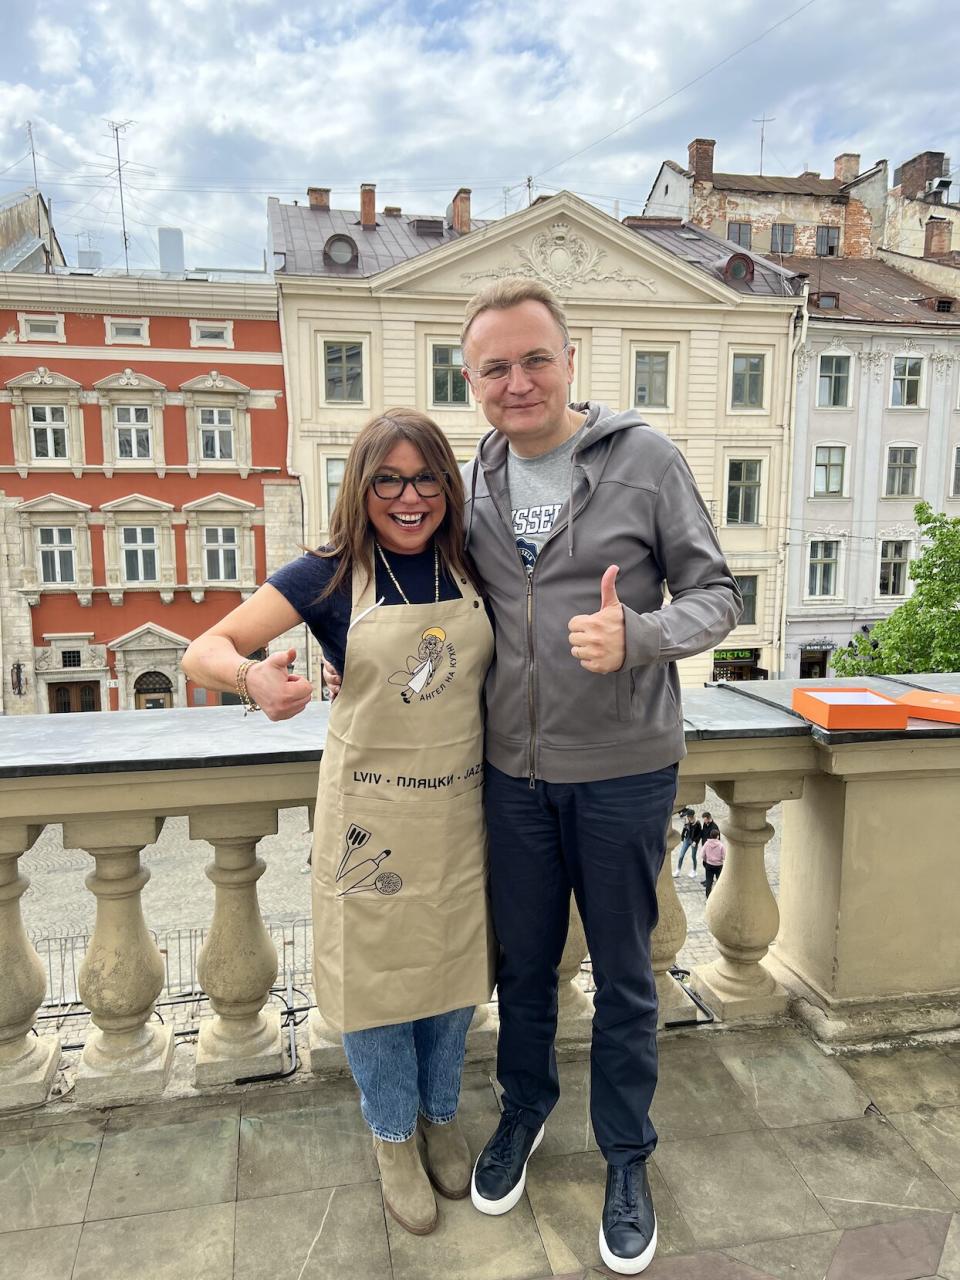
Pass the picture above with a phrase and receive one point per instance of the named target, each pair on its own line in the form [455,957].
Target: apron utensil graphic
[385,882]
[355,838]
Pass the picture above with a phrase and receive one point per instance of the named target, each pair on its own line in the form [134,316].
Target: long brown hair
[350,529]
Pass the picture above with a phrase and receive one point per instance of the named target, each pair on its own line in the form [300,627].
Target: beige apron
[401,924]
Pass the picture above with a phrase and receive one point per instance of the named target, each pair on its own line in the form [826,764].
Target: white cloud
[58,48]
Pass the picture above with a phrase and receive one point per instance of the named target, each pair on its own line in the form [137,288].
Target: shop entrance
[738,664]
[152,692]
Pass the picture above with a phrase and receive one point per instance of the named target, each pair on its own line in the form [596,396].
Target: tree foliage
[923,633]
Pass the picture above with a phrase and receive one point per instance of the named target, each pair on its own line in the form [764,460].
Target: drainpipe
[786,474]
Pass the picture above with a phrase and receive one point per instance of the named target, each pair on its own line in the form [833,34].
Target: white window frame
[112,339]
[890,595]
[49,427]
[135,459]
[366,369]
[766,354]
[837,593]
[327,509]
[845,483]
[754,625]
[225,342]
[136,510]
[834,408]
[58,547]
[654,348]
[221,510]
[745,455]
[138,548]
[921,385]
[51,511]
[955,477]
[216,428]
[131,389]
[45,387]
[220,547]
[24,319]
[444,405]
[918,473]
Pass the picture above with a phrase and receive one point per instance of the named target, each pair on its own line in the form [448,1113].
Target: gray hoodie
[635,504]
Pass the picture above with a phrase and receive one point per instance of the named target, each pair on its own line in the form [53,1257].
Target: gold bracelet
[241,682]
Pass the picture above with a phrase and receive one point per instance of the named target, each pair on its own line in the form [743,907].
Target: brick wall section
[714,209]
[16,630]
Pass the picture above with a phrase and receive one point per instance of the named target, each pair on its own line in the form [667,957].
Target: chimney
[846,166]
[368,206]
[936,237]
[913,176]
[700,158]
[170,245]
[319,197]
[391,211]
[460,221]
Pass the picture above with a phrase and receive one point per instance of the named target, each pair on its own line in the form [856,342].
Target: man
[576,518]
[690,838]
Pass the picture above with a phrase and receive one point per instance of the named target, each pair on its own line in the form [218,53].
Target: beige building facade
[661,318]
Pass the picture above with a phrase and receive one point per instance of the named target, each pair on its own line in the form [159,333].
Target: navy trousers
[605,841]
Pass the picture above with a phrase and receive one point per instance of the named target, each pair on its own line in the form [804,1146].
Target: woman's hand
[280,695]
[331,678]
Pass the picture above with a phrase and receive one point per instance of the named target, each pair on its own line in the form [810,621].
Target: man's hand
[597,640]
[281,696]
[331,678]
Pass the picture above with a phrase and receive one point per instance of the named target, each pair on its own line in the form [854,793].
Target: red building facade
[144,488]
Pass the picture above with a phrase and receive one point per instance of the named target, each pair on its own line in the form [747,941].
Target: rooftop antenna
[116,128]
[529,189]
[33,157]
[763,121]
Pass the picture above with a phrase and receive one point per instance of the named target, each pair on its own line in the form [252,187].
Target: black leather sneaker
[500,1173]
[628,1228]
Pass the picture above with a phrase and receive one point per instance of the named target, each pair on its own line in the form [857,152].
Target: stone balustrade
[862,941]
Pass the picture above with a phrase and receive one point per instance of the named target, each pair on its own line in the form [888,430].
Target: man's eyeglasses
[497,370]
[389,486]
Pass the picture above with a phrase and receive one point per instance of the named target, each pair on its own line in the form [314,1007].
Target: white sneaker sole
[629,1266]
[495,1207]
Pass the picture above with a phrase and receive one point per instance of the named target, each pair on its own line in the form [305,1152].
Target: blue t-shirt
[302,580]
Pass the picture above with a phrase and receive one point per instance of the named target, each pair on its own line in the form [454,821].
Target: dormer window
[341,251]
[738,269]
[944,304]
[826,301]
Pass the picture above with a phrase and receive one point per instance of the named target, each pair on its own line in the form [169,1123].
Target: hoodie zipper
[530,699]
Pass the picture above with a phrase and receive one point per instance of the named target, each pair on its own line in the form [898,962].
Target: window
[739,233]
[743,491]
[905,392]
[216,435]
[56,554]
[828,242]
[894,558]
[335,468]
[134,436]
[823,568]
[827,301]
[828,467]
[449,384]
[901,471]
[833,386]
[343,371]
[71,658]
[782,237]
[944,304]
[211,333]
[956,473]
[747,390]
[128,331]
[41,328]
[220,553]
[139,545]
[652,369]
[748,589]
[48,432]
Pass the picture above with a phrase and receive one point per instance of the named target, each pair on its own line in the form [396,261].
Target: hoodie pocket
[625,689]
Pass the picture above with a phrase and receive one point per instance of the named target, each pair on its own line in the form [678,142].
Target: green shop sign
[735,655]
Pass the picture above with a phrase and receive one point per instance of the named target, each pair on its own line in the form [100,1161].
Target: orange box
[926,705]
[849,708]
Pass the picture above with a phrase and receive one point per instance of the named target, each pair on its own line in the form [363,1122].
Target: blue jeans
[688,843]
[605,840]
[409,1069]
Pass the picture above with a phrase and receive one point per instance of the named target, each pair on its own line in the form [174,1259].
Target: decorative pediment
[563,258]
[219,502]
[137,502]
[148,636]
[42,379]
[215,381]
[129,380]
[52,502]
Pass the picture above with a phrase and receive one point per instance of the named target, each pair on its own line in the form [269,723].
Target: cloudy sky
[230,101]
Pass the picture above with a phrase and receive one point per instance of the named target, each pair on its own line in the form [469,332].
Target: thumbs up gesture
[597,640]
[279,694]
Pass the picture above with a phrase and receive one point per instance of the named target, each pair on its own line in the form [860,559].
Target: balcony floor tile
[738,1187]
[864,1172]
[148,1165]
[907,1078]
[798,1258]
[338,1233]
[788,1080]
[183,1244]
[935,1136]
[891,1250]
[695,1096]
[568,1130]
[46,1253]
[949,1268]
[46,1174]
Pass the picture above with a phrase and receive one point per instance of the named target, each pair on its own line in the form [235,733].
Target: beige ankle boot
[447,1158]
[407,1193]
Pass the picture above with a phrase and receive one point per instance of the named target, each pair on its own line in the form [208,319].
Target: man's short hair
[510,292]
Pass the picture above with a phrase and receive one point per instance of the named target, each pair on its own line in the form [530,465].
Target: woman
[401,937]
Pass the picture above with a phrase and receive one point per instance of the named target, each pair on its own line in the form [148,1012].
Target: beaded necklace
[400,591]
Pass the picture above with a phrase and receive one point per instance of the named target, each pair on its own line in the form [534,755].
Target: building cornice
[120,295]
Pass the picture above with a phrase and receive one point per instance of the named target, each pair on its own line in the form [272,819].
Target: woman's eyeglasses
[390,486]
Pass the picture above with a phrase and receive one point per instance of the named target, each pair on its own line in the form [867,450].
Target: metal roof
[762,184]
[710,253]
[869,289]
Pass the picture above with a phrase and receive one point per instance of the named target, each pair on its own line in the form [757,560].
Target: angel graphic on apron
[421,669]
